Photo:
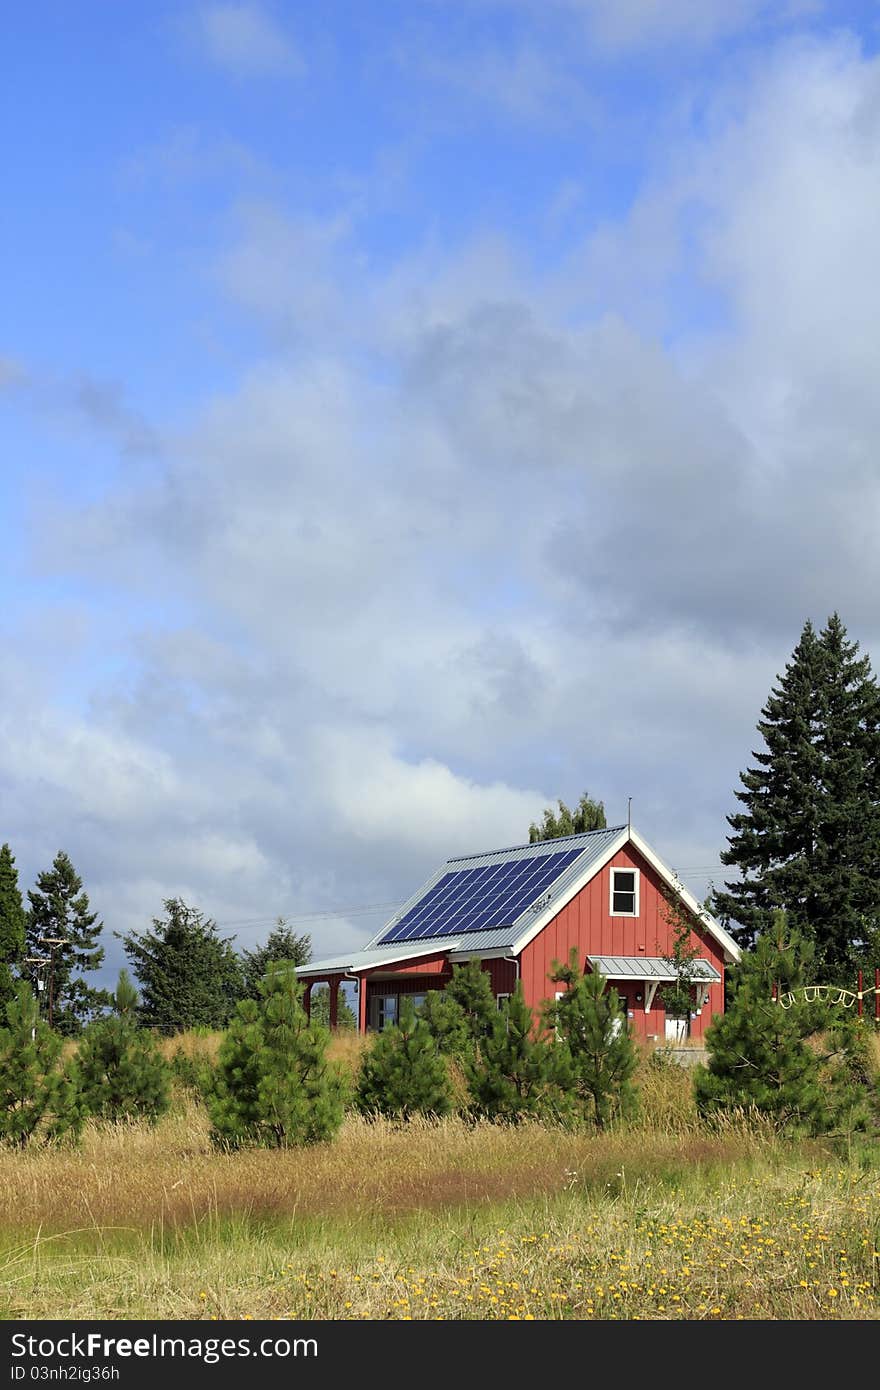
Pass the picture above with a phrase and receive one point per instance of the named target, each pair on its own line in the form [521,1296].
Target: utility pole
[52,942]
[37,962]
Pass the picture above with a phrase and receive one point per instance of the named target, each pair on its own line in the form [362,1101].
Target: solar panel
[481,898]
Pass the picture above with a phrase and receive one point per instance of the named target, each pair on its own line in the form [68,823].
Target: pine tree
[587,815]
[34,1094]
[12,926]
[514,1078]
[757,1054]
[61,927]
[188,975]
[597,1055]
[471,988]
[404,1074]
[808,840]
[122,1075]
[282,943]
[274,1086]
[448,1023]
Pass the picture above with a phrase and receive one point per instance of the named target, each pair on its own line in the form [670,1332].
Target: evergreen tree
[597,1055]
[403,1073]
[188,975]
[34,1093]
[448,1023]
[274,1086]
[471,988]
[808,839]
[61,927]
[12,926]
[281,944]
[121,1073]
[758,1057]
[514,1078]
[587,815]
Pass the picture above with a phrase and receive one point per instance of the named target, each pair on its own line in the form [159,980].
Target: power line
[294,917]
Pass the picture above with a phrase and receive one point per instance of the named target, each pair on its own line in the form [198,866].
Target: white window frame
[624,869]
[500,999]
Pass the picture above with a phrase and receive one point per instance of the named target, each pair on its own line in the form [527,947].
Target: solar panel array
[491,895]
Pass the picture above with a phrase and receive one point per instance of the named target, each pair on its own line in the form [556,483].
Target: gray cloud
[480,540]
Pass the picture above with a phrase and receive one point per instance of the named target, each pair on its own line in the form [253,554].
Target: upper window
[624,892]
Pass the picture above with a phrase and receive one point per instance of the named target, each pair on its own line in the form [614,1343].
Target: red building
[520,909]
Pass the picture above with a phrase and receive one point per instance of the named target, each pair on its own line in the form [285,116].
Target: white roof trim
[725,940]
[732,952]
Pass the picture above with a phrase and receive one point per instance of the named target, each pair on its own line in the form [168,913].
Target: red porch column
[362,1003]
[307,1000]
[334,1001]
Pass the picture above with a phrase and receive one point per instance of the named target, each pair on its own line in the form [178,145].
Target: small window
[501,1000]
[624,892]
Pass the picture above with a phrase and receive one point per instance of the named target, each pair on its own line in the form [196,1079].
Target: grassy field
[662,1220]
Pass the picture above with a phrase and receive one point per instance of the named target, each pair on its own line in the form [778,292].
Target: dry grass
[662,1219]
[438,1220]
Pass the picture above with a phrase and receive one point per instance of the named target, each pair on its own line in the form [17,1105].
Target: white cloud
[247,41]
[473,538]
[623,26]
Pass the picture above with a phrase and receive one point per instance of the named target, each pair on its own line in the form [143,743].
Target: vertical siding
[586,923]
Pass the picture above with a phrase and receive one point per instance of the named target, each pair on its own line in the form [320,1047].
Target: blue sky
[412,413]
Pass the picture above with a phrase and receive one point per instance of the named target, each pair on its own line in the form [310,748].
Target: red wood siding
[426,965]
[586,923]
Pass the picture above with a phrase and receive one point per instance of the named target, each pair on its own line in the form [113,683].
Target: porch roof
[651,968]
[355,962]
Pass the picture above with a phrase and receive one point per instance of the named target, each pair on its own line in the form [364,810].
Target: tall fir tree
[282,943]
[403,1073]
[189,976]
[587,815]
[274,1087]
[12,926]
[808,839]
[59,913]
[120,1072]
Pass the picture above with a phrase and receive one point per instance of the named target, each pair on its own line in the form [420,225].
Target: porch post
[334,1001]
[362,1003]
[307,1000]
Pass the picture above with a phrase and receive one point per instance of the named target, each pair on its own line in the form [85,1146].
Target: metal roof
[366,958]
[596,846]
[593,844]
[650,968]
[372,957]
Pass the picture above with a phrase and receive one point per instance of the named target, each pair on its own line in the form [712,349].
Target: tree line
[188,974]
[274,1084]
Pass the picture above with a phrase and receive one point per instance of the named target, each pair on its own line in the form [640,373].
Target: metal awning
[653,971]
[652,968]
